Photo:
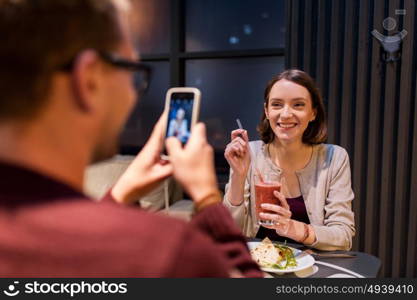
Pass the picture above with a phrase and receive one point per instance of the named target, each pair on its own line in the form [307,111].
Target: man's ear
[84,79]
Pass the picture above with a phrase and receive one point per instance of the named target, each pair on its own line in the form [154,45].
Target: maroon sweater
[48,229]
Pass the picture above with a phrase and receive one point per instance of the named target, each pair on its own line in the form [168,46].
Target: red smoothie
[264,193]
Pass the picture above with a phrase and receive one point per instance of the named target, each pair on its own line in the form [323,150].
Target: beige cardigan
[325,184]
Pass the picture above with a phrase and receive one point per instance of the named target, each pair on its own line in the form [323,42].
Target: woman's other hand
[284,225]
[237,152]
[279,214]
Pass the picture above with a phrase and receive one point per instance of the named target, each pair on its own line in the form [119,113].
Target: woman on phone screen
[316,195]
[178,126]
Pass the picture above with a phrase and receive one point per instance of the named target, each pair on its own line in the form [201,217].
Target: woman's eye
[276,104]
[299,104]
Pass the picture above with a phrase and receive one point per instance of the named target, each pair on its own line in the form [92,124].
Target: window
[148,109]
[231,88]
[227,49]
[217,25]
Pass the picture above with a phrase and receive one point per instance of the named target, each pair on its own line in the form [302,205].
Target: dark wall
[372,112]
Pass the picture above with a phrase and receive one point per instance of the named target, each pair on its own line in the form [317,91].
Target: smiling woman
[289,111]
[298,87]
[313,205]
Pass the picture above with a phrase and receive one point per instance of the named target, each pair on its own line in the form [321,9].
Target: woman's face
[289,110]
[180,114]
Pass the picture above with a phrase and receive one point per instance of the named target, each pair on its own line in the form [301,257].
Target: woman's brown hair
[316,131]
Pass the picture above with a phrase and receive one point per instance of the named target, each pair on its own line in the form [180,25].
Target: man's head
[51,62]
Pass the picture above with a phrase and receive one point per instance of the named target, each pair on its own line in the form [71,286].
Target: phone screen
[180,116]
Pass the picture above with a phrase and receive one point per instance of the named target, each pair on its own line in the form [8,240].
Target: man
[66,83]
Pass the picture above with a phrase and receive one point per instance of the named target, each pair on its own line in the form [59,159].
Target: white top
[325,184]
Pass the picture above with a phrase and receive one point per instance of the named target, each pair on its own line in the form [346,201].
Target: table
[364,264]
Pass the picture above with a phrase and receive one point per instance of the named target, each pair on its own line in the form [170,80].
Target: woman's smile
[286,125]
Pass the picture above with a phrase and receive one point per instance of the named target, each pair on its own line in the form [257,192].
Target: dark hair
[316,131]
[39,36]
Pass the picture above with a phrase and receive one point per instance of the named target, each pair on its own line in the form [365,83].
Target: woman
[178,126]
[315,201]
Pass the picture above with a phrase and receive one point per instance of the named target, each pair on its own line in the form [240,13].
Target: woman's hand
[284,225]
[280,215]
[237,152]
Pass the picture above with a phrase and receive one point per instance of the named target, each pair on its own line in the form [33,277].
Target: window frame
[177,58]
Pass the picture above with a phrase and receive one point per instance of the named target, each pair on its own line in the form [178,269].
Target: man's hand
[146,171]
[194,164]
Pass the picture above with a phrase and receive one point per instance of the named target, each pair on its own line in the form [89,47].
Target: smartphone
[183,106]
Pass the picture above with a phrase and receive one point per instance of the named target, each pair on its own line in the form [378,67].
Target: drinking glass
[265,185]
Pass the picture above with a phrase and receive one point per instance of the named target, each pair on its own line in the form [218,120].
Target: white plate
[341,275]
[304,260]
